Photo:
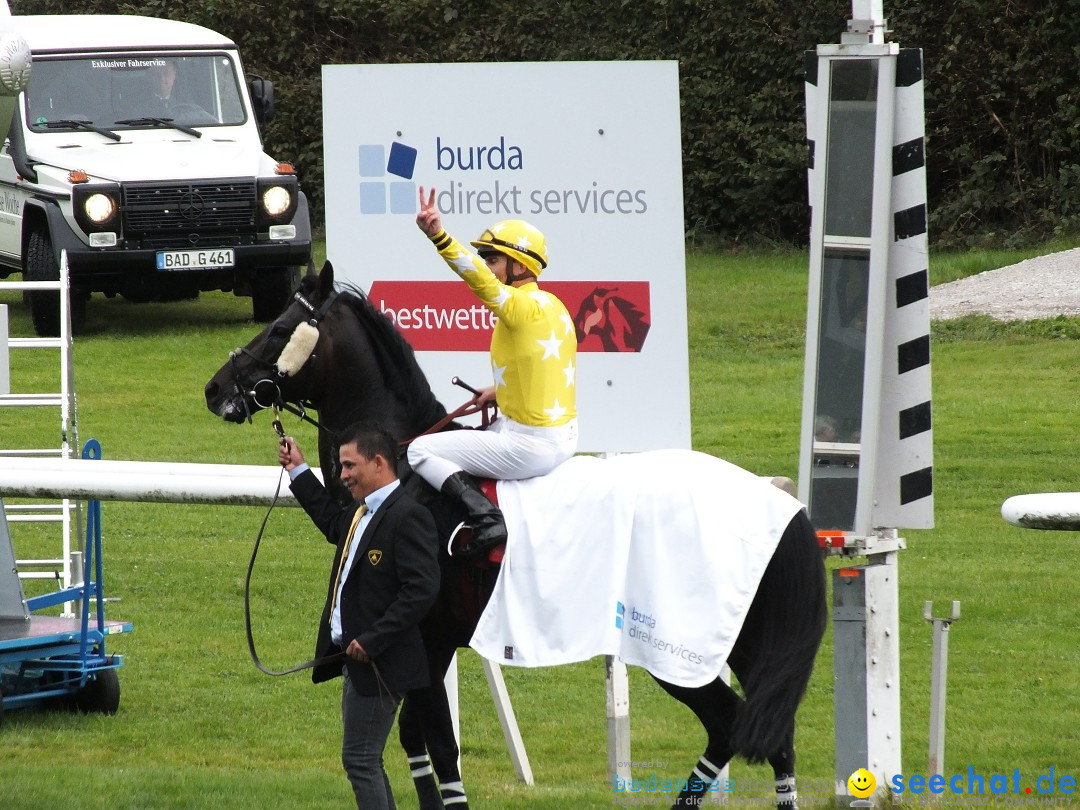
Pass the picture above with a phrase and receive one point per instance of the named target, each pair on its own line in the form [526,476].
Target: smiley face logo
[862,783]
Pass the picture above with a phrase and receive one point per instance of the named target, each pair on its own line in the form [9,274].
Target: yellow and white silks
[534,367]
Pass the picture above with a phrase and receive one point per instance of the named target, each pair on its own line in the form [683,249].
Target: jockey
[533,362]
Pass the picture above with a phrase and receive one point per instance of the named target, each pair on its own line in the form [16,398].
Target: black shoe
[485,518]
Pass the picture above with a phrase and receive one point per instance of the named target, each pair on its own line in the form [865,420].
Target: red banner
[445,316]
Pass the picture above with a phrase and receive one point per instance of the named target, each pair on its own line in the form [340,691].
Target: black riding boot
[489,528]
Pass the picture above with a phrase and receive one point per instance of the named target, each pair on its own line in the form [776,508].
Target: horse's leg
[411,721]
[783,765]
[774,655]
[426,731]
[716,706]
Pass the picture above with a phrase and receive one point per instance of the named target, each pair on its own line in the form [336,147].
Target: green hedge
[1001,103]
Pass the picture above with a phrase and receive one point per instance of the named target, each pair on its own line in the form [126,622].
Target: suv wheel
[41,265]
[271,290]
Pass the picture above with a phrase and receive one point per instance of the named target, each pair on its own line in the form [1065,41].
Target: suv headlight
[277,201]
[96,207]
[99,208]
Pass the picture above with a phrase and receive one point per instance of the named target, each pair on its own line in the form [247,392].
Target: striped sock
[453,796]
[706,772]
[785,792]
[427,789]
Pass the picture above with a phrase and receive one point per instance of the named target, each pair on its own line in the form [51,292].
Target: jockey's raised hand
[537,428]
[428,220]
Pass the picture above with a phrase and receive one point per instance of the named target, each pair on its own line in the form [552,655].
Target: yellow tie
[345,553]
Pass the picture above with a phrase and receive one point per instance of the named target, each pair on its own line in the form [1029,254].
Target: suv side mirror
[262,98]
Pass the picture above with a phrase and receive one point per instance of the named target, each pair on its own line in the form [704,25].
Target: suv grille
[201,210]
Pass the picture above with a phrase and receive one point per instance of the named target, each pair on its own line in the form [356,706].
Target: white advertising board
[589,153]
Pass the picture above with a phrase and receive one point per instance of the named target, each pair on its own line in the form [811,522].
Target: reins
[488,412]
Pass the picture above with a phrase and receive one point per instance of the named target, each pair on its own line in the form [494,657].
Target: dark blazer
[391,586]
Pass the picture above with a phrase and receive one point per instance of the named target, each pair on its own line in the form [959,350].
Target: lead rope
[326,659]
[247,603]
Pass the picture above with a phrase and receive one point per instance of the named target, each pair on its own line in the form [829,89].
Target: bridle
[266,393]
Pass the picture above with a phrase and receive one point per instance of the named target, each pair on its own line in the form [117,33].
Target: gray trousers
[366,723]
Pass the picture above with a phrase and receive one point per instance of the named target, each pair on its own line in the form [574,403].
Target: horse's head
[275,367]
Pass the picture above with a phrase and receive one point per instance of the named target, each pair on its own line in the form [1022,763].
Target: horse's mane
[395,357]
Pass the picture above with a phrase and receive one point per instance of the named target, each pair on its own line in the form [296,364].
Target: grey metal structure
[866,443]
[939,676]
[12,599]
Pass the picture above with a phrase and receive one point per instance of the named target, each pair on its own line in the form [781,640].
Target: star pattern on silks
[569,372]
[551,346]
[497,374]
[556,411]
[522,241]
[501,298]
[541,298]
[463,265]
[568,322]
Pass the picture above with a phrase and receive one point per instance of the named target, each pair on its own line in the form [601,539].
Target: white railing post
[939,673]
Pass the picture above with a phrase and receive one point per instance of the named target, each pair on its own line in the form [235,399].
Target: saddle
[476,575]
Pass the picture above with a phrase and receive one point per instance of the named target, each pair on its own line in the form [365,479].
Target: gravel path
[1035,288]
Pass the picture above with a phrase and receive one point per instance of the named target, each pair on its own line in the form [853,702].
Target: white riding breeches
[506,450]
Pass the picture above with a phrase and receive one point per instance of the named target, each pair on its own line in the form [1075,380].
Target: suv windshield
[134,92]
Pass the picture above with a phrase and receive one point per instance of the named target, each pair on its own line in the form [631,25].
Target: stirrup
[466,550]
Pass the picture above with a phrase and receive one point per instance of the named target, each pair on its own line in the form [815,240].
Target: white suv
[136,147]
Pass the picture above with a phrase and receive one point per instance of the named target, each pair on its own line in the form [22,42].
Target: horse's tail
[787,618]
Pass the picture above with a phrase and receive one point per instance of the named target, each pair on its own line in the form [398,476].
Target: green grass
[199,727]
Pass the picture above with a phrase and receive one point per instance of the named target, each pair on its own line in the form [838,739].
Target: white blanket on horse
[654,557]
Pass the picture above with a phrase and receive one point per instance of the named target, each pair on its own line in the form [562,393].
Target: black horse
[355,365]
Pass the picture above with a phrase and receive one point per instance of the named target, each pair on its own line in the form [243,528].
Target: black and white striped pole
[865,467]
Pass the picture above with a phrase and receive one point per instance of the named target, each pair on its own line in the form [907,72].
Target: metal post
[866,669]
[508,721]
[450,683]
[617,689]
[867,23]
[939,673]
[75,608]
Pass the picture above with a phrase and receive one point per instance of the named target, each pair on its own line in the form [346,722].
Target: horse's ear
[326,280]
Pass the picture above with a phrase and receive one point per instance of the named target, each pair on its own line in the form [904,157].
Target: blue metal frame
[61,660]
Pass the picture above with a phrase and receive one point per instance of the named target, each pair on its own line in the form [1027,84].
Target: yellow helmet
[517,239]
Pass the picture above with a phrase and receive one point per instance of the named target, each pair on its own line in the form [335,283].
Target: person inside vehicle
[162,80]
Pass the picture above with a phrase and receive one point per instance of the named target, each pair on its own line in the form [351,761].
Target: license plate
[195,259]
